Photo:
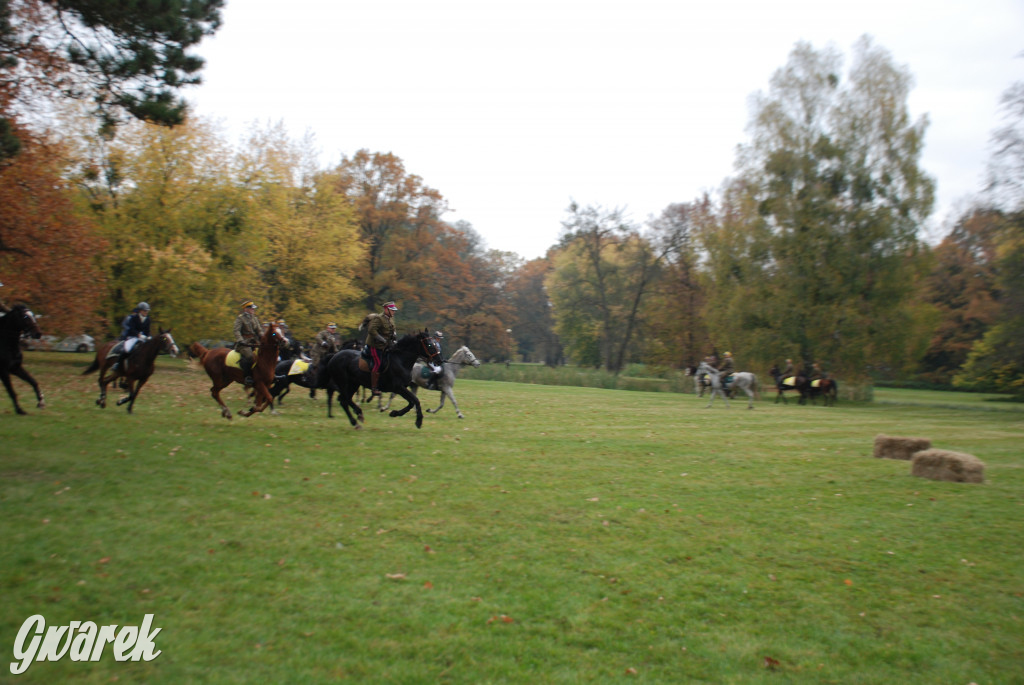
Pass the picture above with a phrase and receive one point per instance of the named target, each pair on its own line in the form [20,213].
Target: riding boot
[246,365]
[374,376]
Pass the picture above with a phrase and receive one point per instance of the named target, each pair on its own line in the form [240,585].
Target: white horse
[743,380]
[462,357]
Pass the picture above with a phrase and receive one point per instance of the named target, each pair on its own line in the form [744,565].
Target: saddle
[298,367]
[364,361]
[789,381]
[233,358]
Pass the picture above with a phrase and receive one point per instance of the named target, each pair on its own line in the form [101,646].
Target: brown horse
[13,324]
[215,363]
[136,369]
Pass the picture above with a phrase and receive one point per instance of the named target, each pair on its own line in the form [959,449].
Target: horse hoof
[460,416]
[357,426]
[21,411]
[41,405]
[393,413]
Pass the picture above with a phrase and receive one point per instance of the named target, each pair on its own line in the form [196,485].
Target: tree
[127,56]
[962,288]
[532,323]
[47,252]
[600,278]
[831,196]
[399,219]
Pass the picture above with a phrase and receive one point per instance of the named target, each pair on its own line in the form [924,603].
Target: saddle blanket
[298,367]
[816,384]
[232,359]
[791,381]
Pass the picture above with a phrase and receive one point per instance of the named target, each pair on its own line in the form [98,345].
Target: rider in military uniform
[247,336]
[727,368]
[380,333]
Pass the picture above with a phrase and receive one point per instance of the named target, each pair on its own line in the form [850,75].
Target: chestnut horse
[136,369]
[13,324]
[215,363]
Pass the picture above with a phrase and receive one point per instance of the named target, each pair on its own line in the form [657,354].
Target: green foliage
[580,534]
[814,252]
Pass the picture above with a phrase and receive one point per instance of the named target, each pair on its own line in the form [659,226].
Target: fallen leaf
[103,560]
[395,576]
[770,663]
[631,671]
[428,585]
[848,581]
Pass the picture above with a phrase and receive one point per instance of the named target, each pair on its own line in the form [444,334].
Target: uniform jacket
[134,326]
[384,326]
[248,329]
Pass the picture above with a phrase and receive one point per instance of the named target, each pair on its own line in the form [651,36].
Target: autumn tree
[47,251]
[531,321]
[176,223]
[962,287]
[830,195]
[308,233]
[602,273]
[130,56]
[676,331]
[399,219]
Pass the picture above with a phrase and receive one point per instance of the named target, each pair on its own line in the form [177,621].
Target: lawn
[555,535]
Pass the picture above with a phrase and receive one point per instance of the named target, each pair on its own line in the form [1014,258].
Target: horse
[700,380]
[348,371]
[289,371]
[13,324]
[800,385]
[136,368]
[827,388]
[216,364]
[743,380]
[462,357]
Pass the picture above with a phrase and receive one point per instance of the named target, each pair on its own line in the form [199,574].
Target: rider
[247,336]
[380,333]
[327,342]
[134,328]
[727,368]
[815,374]
[786,372]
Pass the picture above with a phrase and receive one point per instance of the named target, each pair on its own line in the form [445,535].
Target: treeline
[812,251]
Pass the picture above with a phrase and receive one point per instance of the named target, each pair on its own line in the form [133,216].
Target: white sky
[512,109]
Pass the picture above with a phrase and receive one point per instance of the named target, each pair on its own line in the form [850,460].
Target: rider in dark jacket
[135,327]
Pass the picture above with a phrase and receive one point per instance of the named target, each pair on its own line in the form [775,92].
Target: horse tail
[92,367]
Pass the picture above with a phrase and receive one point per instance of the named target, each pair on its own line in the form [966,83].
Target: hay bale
[889,447]
[956,467]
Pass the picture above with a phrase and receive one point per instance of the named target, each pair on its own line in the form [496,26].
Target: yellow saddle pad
[234,358]
[816,384]
[791,381]
[298,367]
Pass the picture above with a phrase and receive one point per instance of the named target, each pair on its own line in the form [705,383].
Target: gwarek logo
[82,641]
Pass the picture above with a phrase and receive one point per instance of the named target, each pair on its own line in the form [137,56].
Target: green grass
[556,535]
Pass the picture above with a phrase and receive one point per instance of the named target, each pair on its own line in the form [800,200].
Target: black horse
[12,325]
[348,371]
[800,385]
[315,376]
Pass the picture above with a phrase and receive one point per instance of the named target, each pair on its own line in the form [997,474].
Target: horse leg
[413,401]
[129,396]
[215,392]
[347,402]
[10,391]
[451,396]
[24,375]
[750,398]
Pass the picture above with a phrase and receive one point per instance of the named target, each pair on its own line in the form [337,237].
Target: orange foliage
[46,251]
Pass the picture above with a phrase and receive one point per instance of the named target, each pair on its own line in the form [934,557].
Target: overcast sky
[512,109]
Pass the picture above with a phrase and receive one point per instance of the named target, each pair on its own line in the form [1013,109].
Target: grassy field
[555,535]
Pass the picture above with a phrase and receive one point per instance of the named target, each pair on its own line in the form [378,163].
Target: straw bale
[957,467]
[889,447]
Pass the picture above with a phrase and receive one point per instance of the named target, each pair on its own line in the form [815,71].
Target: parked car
[44,343]
[76,343]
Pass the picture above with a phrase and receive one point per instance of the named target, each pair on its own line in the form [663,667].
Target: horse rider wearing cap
[134,327]
[727,368]
[248,331]
[380,333]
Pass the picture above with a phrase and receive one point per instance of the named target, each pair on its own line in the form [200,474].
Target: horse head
[430,348]
[170,347]
[25,321]
[464,356]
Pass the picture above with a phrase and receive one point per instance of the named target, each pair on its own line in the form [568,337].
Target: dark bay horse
[799,385]
[12,325]
[347,375]
[215,363]
[315,376]
[136,369]
[827,388]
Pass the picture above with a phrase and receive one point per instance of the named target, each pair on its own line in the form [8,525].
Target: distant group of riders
[806,381]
